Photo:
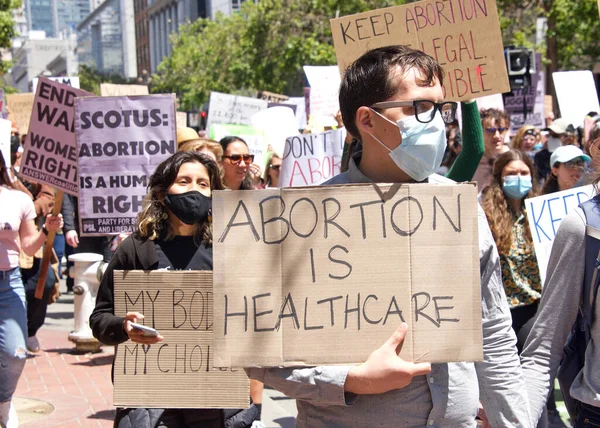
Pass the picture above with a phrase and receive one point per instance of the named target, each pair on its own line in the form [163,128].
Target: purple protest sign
[50,155]
[121,141]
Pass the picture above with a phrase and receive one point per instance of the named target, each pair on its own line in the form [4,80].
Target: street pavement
[60,388]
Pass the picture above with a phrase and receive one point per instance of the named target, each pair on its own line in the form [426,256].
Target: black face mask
[190,207]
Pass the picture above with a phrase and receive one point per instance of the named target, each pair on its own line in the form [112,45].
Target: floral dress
[520,271]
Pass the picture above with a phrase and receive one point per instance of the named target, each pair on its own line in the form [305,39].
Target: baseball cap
[560,126]
[186,134]
[567,153]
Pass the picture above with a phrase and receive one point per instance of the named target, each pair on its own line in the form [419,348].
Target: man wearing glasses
[495,125]
[392,99]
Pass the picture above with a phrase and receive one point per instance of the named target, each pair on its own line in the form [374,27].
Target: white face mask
[422,148]
[554,143]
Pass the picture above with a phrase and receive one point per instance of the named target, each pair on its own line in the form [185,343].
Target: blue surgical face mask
[422,148]
[538,146]
[517,186]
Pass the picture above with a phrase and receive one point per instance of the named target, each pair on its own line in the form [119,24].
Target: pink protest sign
[121,141]
[50,155]
[311,159]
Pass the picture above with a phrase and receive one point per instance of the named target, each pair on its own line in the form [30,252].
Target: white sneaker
[8,415]
[32,344]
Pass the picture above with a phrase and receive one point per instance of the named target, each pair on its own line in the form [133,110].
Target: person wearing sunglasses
[272,172]
[392,100]
[239,171]
[527,140]
[495,126]
[560,133]
[567,166]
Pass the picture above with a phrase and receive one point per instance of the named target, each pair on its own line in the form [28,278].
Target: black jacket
[136,253]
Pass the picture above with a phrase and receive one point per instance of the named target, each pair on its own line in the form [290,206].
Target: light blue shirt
[448,396]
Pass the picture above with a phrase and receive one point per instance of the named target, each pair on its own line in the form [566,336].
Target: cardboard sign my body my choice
[121,141]
[233,109]
[462,35]
[311,159]
[545,213]
[324,275]
[178,371]
[50,154]
[19,109]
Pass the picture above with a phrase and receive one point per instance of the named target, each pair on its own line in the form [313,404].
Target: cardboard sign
[72,81]
[548,105]
[5,127]
[253,137]
[545,213]
[19,110]
[330,272]
[233,109]
[324,93]
[576,94]
[463,36]
[181,119]
[120,141]
[272,97]
[178,371]
[50,155]
[112,90]
[312,159]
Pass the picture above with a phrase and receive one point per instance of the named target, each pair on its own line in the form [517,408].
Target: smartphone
[147,331]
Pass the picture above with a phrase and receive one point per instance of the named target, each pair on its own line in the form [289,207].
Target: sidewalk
[60,388]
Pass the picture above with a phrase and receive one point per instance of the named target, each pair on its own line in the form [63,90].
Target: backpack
[574,351]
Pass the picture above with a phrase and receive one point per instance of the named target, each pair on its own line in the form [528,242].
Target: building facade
[31,59]
[106,39]
[57,18]
[162,18]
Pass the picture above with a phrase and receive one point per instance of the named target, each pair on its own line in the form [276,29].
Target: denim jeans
[13,332]
[587,416]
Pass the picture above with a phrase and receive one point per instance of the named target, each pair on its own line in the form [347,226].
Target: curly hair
[496,207]
[152,224]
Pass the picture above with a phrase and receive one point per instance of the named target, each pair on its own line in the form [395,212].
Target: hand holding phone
[147,331]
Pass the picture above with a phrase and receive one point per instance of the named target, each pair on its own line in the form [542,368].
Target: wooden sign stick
[39,289]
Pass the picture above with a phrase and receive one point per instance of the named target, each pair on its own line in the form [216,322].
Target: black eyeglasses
[237,159]
[494,130]
[424,109]
[275,167]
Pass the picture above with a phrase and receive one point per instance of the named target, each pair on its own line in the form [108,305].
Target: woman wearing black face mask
[173,232]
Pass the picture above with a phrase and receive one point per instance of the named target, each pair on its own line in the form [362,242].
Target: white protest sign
[72,81]
[312,159]
[324,84]
[545,213]
[120,142]
[576,94]
[276,124]
[233,109]
[253,137]
[300,103]
[5,126]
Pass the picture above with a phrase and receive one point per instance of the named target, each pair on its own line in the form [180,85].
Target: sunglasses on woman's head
[237,159]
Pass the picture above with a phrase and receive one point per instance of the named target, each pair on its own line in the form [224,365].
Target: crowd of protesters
[399,130]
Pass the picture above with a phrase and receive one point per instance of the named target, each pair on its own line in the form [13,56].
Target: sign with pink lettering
[50,155]
[462,35]
[311,159]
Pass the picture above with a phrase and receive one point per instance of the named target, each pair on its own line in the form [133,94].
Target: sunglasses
[575,164]
[237,159]
[494,130]
[275,167]
[531,132]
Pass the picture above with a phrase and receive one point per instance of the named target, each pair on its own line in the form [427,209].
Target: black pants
[587,416]
[36,308]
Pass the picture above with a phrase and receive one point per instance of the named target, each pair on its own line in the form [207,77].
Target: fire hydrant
[86,272]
